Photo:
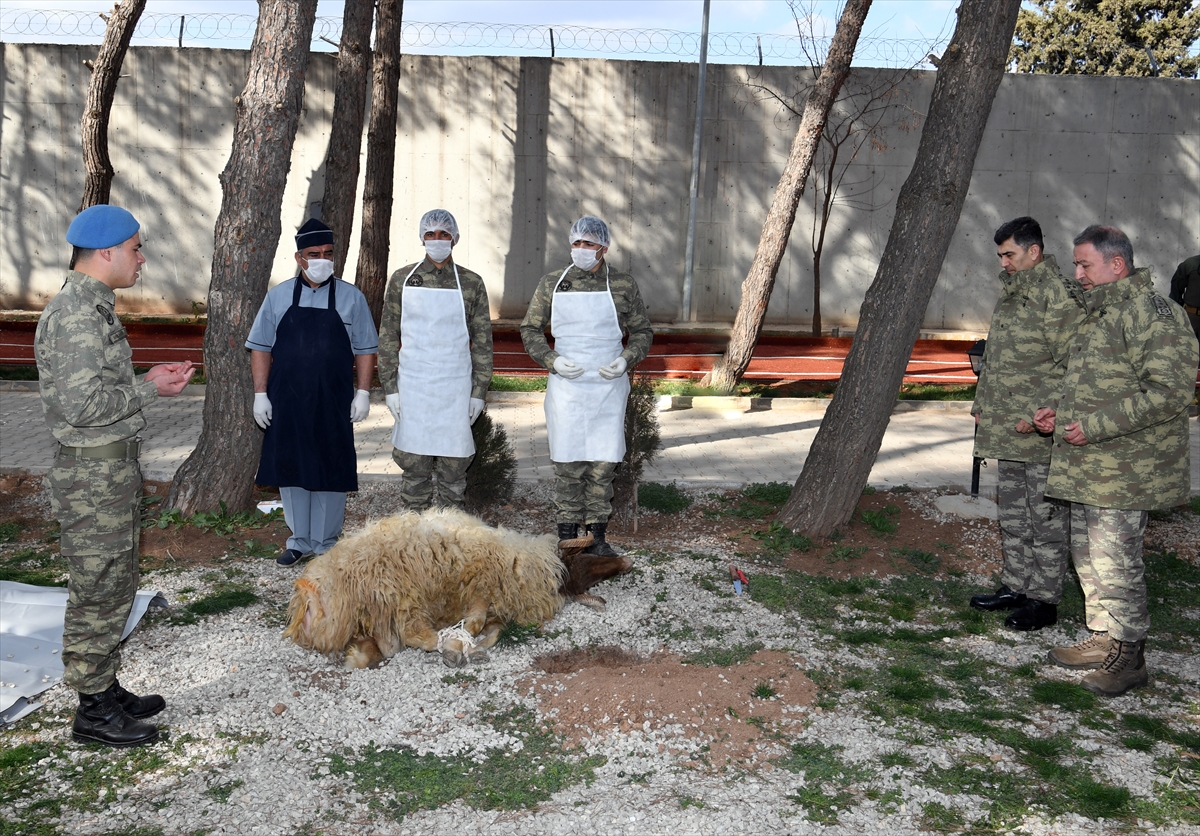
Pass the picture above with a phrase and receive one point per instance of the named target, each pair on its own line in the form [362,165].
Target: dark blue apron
[310,443]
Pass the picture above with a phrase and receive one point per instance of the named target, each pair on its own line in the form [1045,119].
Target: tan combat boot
[1125,668]
[1088,654]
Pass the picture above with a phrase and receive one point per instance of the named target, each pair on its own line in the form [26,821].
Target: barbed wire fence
[237,30]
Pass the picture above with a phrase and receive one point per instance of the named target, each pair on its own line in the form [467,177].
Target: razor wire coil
[487,38]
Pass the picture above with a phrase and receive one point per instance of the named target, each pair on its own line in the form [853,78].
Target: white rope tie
[458,631]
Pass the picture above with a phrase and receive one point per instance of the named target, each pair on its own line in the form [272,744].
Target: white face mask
[438,251]
[584,258]
[319,269]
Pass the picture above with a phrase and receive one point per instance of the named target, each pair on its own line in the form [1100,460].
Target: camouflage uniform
[1129,381]
[93,405]
[583,490]
[1023,367]
[416,487]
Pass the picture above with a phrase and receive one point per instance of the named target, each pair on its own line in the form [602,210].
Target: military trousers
[583,491]
[416,485]
[1106,546]
[1034,532]
[97,504]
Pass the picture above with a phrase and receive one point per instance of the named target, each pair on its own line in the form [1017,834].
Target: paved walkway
[927,447]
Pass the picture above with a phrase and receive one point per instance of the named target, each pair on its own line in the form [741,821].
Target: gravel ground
[256,723]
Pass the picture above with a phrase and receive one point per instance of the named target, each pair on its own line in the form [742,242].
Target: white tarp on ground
[31,628]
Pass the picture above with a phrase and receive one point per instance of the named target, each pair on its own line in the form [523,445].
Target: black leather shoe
[101,719]
[1002,599]
[138,707]
[288,557]
[1033,616]
[600,548]
[568,531]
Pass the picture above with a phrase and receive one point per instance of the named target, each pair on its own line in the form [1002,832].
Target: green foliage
[667,499]
[882,521]
[845,553]
[935,392]
[922,561]
[779,539]
[403,782]
[1065,695]
[764,691]
[513,634]
[18,372]
[1194,505]
[223,600]
[1107,37]
[940,818]
[770,493]
[221,792]
[523,383]
[493,472]
[222,523]
[723,657]
[643,438]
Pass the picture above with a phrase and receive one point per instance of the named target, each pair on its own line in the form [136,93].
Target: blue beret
[101,226]
[313,234]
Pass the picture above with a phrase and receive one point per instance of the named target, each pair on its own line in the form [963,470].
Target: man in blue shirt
[312,333]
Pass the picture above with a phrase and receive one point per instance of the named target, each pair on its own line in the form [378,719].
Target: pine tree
[1108,37]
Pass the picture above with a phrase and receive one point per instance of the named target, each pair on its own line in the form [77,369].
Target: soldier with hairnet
[93,405]
[1120,449]
[435,365]
[588,308]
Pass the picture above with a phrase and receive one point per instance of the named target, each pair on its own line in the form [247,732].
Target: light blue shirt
[351,307]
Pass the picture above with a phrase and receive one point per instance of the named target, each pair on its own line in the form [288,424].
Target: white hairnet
[591,228]
[438,220]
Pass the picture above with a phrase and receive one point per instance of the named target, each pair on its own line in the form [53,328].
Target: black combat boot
[101,719]
[137,707]
[1002,599]
[567,531]
[599,548]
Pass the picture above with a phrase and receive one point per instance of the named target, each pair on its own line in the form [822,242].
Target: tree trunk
[103,87]
[927,213]
[345,134]
[756,289]
[371,275]
[222,466]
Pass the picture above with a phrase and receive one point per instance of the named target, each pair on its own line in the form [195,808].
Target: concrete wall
[518,148]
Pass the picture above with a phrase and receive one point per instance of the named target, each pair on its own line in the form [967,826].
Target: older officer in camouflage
[1023,368]
[435,365]
[588,307]
[1120,449]
[93,405]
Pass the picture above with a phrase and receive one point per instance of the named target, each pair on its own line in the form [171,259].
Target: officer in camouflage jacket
[1023,368]
[1120,449]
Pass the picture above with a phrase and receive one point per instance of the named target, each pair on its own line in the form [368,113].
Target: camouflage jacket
[1130,378]
[631,312]
[1025,360]
[85,368]
[479,321]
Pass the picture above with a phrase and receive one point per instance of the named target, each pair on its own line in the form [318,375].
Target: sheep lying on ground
[401,580]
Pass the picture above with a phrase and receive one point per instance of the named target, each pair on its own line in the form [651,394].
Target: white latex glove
[262,409]
[393,404]
[567,368]
[360,407]
[475,409]
[614,369]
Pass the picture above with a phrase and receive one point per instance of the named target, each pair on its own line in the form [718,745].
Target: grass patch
[666,499]
[896,759]
[825,779]
[883,521]
[38,568]
[922,561]
[940,818]
[9,532]
[398,781]
[723,657]
[513,634]
[779,539]
[1066,695]
[18,372]
[935,392]
[223,600]
[221,792]
[764,691]
[759,500]
[222,523]
[845,553]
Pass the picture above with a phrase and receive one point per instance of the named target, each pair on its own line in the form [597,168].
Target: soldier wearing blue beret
[93,405]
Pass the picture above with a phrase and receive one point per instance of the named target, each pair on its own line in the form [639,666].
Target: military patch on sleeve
[1161,307]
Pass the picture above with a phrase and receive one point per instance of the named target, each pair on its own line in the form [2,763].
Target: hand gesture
[614,369]
[567,368]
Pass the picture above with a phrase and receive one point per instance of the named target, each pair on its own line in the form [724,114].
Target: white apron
[434,378]
[585,417]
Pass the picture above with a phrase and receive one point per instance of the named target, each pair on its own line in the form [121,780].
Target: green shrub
[643,438]
[668,499]
[493,472]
